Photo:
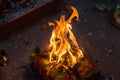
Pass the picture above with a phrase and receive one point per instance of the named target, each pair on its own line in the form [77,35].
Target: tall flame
[63,45]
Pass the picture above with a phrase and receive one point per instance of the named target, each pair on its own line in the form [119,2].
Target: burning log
[64,60]
[80,71]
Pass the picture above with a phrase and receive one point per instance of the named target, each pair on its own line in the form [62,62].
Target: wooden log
[21,22]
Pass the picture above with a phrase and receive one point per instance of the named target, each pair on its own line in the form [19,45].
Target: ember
[64,59]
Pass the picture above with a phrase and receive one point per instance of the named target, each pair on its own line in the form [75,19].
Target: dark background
[96,36]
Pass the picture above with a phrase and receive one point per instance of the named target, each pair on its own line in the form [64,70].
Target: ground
[96,36]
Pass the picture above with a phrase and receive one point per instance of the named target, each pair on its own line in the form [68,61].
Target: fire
[64,59]
[64,48]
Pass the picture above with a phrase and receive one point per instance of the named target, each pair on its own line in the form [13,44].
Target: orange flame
[63,45]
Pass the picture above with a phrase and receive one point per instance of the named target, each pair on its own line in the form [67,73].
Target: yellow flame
[63,45]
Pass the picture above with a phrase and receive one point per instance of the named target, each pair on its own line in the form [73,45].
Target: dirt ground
[96,36]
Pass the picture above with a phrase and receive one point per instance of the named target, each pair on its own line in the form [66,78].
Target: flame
[64,48]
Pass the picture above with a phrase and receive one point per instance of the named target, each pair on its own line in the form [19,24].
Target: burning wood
[65,60]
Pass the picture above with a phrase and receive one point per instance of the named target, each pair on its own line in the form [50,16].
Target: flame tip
[64,47]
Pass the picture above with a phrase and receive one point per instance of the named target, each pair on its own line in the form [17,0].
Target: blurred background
[97,33]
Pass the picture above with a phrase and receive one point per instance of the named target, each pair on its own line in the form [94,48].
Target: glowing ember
[64,49]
